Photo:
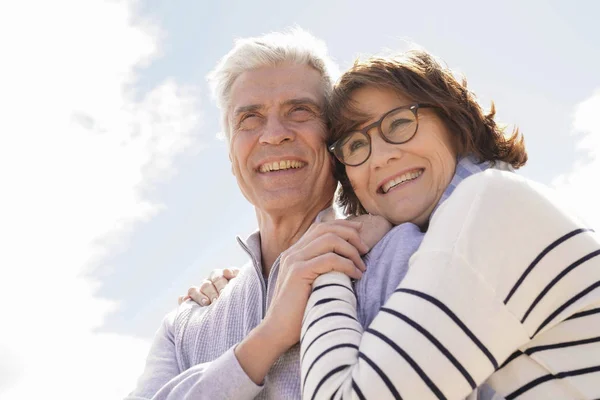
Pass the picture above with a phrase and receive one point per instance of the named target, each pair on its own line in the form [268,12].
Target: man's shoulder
[204,333]
[240,295]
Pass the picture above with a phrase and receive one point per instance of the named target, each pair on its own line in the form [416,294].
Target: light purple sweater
[192,353]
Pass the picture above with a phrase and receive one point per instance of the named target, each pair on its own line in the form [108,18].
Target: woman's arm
[501,270]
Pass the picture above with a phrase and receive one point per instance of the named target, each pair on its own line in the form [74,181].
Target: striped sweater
[504,289]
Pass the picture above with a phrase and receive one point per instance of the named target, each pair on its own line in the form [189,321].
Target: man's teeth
[279,165]
[409,176]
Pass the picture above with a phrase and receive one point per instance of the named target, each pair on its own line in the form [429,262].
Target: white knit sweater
[505,289]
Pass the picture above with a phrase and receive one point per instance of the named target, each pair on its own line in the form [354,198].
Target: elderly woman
[505,286]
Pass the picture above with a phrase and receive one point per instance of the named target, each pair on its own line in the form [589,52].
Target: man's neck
[279,232]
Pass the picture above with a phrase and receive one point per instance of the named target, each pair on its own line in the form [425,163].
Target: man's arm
[162,379]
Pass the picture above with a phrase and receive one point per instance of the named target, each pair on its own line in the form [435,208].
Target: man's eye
[248,121]
[301,113]
[247,116]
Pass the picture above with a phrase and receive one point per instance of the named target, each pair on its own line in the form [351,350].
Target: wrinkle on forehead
[270,86]
[284,103]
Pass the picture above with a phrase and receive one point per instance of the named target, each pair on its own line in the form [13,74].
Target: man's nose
[276,132]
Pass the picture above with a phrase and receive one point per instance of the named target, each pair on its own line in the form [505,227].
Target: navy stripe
[584,314]
[327,300]
[567,304]
[334,314]
[530,386]
[550,377]
[334,393]
[336,284]
[412,363]
[337,346]
[382,375]
[512,357]
[329,374]
[333,284]
[323,334]
[582,371]
[324,301]
[436,343]
[357,390]
[558,278]
[539,258]
[456,320]
[532,350]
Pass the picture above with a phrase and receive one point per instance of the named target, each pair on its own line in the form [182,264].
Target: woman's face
[402,182]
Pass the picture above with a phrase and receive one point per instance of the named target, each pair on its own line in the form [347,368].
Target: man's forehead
[272,86]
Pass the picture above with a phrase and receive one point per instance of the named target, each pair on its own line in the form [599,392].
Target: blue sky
[119,196]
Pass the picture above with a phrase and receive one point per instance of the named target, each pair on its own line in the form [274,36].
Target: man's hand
[372,230]
[211,288]
[325,247]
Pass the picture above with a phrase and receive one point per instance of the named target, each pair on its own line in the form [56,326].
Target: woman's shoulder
[501,194]
[505,190]
[502,183]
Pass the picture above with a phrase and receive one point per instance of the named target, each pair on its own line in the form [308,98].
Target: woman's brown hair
[419,76]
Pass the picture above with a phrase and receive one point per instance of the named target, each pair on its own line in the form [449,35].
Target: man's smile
[280,165]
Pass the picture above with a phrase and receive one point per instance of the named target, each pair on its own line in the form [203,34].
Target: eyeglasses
[397,126]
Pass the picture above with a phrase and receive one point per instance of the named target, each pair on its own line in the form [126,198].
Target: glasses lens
[399,126]
[354,149]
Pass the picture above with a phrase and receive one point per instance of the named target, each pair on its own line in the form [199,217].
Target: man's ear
[230,162]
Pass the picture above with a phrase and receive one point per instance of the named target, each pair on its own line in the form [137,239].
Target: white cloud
[580,186]
[77,152]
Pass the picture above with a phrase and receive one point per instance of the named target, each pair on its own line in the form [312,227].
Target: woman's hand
[374,228]
[209,290]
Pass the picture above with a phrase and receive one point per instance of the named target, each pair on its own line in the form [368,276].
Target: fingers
[329,243]
[218,280]
[347,230]
[321,228]
[331,262]
[230,273]
[182,298]
[208,289]
[374,228]
[196,294]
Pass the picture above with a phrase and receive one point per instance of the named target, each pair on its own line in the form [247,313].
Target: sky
[117,195]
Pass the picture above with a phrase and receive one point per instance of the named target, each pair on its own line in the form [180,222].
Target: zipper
[258,270]
[274,269]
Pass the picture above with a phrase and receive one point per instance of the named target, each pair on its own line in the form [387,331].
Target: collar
[251,244]
[467,166]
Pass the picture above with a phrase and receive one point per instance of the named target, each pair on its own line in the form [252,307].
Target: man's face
[278,152]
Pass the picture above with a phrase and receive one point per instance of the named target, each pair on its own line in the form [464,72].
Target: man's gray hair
[295,46]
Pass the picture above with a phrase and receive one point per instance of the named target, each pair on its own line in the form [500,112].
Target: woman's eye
[399,123]
[356,145]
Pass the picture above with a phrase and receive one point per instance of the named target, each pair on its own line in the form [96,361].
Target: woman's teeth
[279,165]
[409,176]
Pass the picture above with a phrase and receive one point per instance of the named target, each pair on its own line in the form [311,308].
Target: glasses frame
[333,148]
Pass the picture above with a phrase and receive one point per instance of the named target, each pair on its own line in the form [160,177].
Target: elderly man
[273,93]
